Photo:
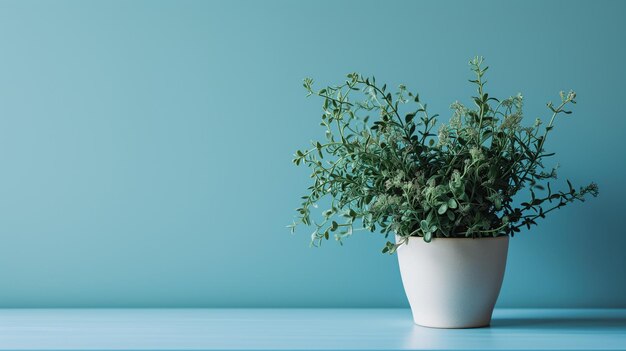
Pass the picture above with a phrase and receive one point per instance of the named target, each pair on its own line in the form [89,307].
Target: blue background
[145,146]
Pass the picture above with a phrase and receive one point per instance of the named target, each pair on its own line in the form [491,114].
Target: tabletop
[303,329]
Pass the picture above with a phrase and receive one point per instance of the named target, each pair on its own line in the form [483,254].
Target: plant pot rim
[457,237]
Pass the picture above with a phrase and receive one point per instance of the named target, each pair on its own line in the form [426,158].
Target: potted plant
[449,194]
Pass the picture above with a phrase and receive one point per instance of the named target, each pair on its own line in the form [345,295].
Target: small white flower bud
[571,95]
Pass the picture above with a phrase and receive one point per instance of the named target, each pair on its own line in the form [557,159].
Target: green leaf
[409,117]
[424,226]
[452,203]
[428,236]
[450,215]
[442,209]
[569,184]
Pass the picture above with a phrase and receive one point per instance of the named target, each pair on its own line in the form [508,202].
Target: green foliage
[384,167]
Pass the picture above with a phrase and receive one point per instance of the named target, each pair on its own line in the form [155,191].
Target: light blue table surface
[303,329]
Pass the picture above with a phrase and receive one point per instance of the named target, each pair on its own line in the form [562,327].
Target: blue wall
[145,147]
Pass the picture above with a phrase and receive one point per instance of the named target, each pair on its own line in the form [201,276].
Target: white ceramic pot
[453,282]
